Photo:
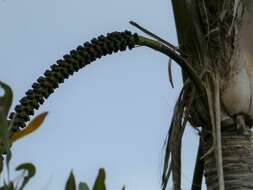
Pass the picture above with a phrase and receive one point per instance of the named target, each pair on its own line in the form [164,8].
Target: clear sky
[115,113]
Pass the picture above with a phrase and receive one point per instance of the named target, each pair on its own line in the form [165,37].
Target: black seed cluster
[72,62]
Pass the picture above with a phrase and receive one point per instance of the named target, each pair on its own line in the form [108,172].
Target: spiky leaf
[100,181]
[71,182]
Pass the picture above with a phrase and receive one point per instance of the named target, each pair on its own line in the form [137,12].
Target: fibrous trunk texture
[237,153]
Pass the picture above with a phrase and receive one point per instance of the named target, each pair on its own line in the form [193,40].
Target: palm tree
[214,54]
[215,38]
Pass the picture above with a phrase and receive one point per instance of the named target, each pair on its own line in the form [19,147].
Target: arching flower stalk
[76,60]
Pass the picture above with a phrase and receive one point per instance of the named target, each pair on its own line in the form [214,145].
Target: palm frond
[172,160]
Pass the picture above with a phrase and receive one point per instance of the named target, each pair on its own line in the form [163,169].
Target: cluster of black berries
[77,59]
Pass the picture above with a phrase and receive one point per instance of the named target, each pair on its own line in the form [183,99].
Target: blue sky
[114,113]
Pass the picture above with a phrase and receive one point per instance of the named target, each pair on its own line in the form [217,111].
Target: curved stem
[158,46]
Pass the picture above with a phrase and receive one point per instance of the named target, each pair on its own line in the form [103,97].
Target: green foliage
[98,185]
[5,144]
[9,186]
[28,171]
[71,182]
[28,168]
[100,181]
[83,186]
[6,100]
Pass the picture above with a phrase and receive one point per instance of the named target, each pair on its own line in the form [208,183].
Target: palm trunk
[237,151]
[216,39]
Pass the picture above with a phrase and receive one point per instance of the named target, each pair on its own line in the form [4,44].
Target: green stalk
[158,46]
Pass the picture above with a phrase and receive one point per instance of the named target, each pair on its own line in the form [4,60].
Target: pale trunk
[237,153]
[236,98]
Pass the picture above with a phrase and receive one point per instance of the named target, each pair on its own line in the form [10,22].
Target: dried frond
[172,160]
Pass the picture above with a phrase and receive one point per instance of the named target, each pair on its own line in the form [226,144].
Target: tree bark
[237,151]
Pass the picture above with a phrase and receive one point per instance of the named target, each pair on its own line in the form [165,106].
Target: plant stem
[158,46]
[218,133]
